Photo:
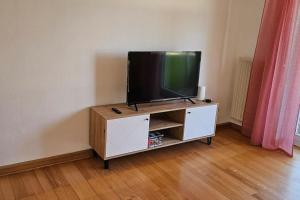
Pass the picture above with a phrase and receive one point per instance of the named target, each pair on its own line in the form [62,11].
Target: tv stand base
[189,99]
[136,108]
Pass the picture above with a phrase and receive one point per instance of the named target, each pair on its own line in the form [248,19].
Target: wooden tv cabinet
[114,135]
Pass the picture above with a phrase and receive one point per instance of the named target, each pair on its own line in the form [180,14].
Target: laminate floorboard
[230,168]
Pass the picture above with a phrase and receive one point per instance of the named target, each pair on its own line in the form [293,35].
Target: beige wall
[242,30]
[58,57]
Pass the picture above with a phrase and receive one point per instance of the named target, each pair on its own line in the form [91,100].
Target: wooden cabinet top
[149,108]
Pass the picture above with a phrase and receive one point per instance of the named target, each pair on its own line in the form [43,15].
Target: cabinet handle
[147,119]
[188,112]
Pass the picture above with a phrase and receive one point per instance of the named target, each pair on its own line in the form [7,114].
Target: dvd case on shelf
[155,139]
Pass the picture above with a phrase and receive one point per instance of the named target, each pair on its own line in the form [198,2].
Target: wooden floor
[228,169]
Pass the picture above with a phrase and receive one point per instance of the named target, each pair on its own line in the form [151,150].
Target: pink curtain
[273,98]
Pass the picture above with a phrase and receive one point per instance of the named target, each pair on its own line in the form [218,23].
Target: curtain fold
[273,98]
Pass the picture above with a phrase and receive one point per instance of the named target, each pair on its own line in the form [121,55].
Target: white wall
[243,23]
[58,57]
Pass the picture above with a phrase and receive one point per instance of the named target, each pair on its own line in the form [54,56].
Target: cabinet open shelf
[167,141]
[160,124]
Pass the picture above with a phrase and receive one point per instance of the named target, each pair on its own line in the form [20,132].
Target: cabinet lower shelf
[167,142]
[160,124]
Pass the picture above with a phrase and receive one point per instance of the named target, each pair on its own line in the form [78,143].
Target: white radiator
[242,75]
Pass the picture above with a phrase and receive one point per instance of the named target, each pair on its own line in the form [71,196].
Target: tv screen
[156,76]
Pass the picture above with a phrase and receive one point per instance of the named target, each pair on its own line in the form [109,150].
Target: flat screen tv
[157,76]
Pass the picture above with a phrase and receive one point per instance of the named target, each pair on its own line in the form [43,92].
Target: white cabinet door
[126,135]
[200,122]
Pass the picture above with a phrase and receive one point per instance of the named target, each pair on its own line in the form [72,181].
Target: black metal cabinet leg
[209,139]
[106,164]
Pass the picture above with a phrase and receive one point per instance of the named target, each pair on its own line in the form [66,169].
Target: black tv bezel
[164,99]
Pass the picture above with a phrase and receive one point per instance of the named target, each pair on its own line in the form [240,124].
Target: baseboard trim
[297,141]
[224,125]
[236,127]
[229,125]
[44,162]
[69,157]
